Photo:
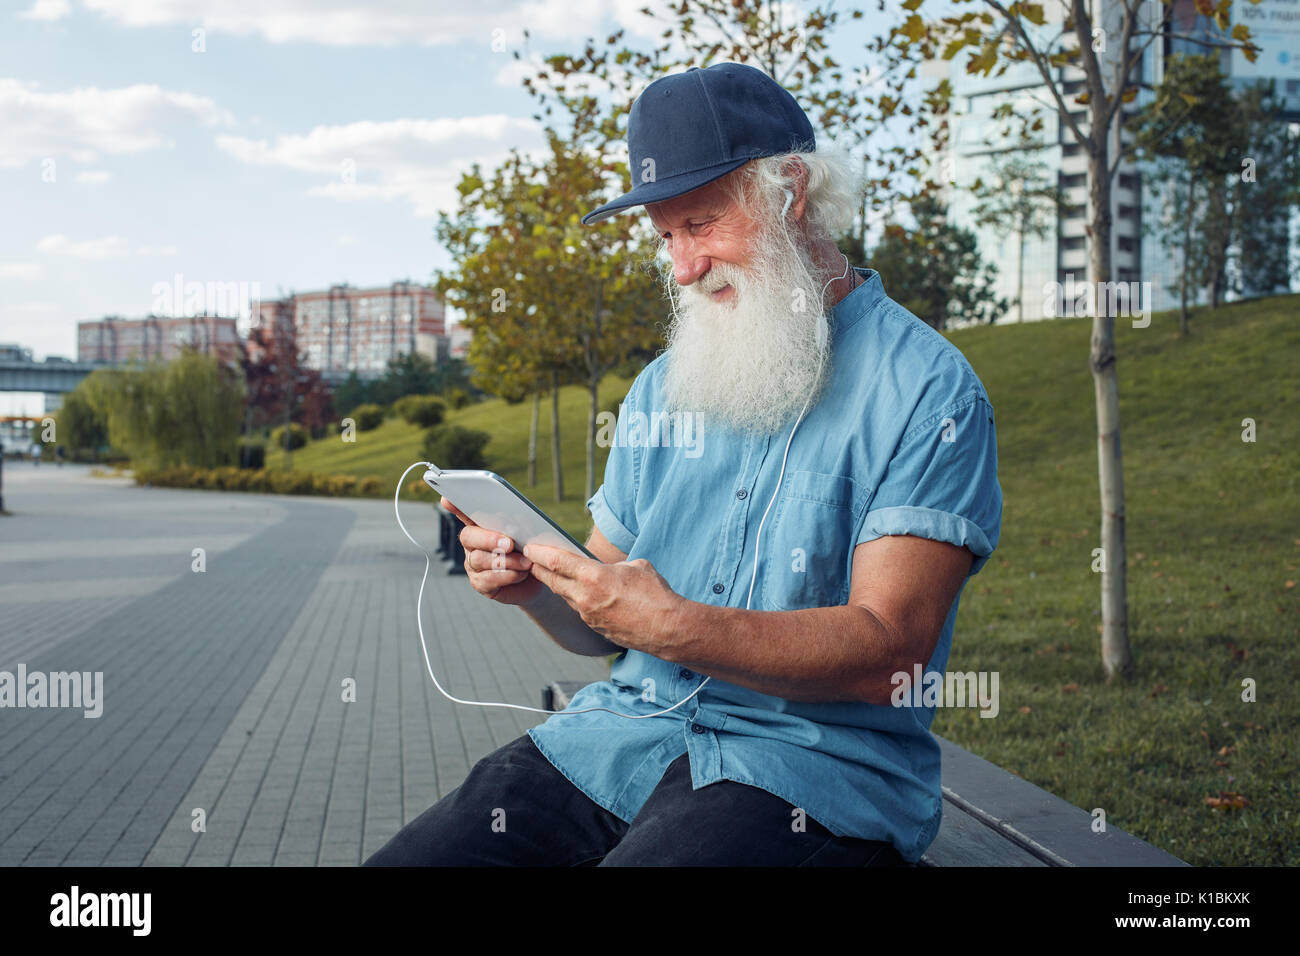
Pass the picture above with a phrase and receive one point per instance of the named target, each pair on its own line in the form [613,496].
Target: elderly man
[769,587]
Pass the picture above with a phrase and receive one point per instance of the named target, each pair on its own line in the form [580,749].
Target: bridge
[54,378]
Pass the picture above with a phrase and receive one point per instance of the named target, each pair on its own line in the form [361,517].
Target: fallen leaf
[1158,690]
[1070,689]
[1227,801]
[1226,749]
[1025,709]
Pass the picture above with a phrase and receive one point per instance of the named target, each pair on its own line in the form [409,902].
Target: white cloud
[20,269]
[84,122]
[95,177]
[156,251]
[415,160]
[47,10]
[32,307]
[109,247]
[361,23]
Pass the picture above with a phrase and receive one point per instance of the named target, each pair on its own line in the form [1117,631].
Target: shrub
[451,446]
[297,437]
[367,417]
[372,486]
[457,398]
[423,410]
[292,482]
[343,486]
[222,478]
[402,406]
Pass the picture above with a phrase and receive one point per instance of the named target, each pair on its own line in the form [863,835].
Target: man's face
[746,303]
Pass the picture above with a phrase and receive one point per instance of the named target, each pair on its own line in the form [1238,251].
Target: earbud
[789,198]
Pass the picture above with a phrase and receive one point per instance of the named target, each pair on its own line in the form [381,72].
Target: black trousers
[516,809]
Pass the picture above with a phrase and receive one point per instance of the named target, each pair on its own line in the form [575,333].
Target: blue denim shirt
[902,442]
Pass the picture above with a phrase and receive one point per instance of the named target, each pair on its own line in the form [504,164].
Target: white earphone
[789,198]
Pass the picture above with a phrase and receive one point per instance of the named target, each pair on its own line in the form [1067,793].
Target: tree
[183,412]
[410,373]
[1104,55]
[1019,201]
[1266,192]
[935,271]
[1191,124]
[491,238]
[860,104]
[548,301]
[279,386]
[80,427]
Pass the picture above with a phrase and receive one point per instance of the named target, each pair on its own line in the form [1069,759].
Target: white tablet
[493,503]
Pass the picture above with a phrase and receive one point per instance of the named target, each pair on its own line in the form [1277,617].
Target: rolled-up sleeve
[942,483]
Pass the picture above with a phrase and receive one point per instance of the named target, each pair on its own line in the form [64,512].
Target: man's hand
[496,570]
[629,602]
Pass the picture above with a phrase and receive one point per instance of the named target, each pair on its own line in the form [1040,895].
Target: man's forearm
[820,654]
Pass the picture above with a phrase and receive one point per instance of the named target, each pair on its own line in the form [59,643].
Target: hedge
[262,480]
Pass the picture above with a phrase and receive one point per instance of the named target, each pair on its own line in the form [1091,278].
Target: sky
[284,144]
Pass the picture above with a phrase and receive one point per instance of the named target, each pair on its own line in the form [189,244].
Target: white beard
[753,362]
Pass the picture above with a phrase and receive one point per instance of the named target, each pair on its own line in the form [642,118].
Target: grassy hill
[389,449]
[1213,529]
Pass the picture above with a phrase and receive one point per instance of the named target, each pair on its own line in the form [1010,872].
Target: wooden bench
[993,818]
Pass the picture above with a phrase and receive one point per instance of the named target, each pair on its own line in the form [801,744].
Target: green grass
[1213,540]
[1213,530]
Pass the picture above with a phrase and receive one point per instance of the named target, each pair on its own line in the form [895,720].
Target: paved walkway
[223,690]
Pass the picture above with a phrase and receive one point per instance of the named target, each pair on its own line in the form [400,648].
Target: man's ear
[796,176]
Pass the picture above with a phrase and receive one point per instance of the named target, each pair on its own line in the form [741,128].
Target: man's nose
[688,265]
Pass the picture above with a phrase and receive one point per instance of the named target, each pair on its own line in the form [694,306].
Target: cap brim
[663,189]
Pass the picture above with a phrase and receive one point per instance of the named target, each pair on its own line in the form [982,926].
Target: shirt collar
[846,313]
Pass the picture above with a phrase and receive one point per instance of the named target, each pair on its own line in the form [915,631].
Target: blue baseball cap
[688,129]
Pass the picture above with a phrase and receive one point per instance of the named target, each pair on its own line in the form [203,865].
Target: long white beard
[750,363]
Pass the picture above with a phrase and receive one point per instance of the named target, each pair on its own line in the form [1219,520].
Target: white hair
[833,189]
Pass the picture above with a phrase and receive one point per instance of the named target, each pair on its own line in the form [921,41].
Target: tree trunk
[1020,276]
[532,439]
[1116,657]
[593,409]
[1185,279]
[557,463]
[1218,238]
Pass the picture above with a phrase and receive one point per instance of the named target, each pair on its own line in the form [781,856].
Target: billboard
[1275,27]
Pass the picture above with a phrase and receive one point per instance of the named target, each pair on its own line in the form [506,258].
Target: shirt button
[742,494]
[696,728]
[718,589]
[684,674]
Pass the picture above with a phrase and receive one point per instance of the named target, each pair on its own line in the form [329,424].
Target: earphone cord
[820,361]
[419,620]
[428,559]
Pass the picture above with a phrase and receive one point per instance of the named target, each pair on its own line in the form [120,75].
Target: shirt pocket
[807,550]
